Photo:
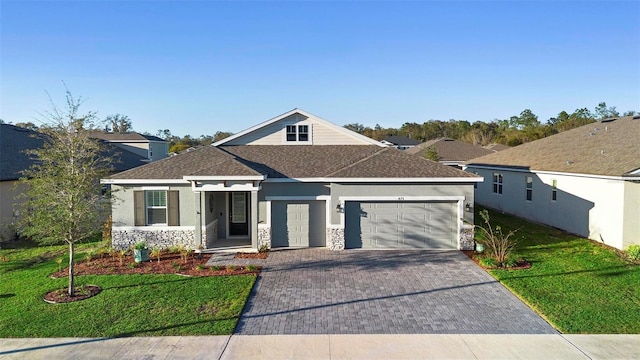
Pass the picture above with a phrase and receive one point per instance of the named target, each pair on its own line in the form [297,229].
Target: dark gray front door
[238,214]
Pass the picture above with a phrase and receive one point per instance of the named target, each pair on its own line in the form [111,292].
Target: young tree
[431,153]
[64,200]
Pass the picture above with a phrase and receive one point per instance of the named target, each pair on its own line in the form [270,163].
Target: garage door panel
[415,225]
[298,223]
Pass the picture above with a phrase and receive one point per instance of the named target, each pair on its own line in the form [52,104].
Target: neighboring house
[450,152]
[585,181]
[149,146]
[400,142]
[14,142]
[294,181]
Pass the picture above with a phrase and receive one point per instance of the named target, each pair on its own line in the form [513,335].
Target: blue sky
[196,67]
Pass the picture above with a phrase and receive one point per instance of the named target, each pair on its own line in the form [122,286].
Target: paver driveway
[318,291]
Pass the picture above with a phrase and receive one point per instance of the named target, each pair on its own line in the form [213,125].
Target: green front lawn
[129,305]
[576,284]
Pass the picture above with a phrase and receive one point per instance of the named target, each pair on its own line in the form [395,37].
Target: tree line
[516,130]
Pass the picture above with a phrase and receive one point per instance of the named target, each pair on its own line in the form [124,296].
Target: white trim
[299,198]
[223,178]
[378,180]
[152,188]
[152,228]
[306,114]
[142,181]
[512,169]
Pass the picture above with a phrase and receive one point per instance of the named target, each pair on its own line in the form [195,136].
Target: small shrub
[510,262]
[489,262]
[263,248]
[633,251]
[231,268]
[156,252]
[252,268]
[173,249]
[497,245]
[175,265]
[216,268]
[141,245]
[121,255]
[132,265]
[184,253]
[200,267]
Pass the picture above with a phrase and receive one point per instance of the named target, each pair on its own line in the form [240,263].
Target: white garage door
[298,223]
[403,225]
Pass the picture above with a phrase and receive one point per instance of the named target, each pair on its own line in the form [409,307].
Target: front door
[238,214]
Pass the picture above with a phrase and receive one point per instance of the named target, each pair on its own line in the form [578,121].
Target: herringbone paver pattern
[318,291]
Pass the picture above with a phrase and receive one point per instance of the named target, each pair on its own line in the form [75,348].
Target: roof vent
[569,162]
[608,120]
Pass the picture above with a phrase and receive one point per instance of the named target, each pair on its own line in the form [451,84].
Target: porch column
[198,229]
[254,220]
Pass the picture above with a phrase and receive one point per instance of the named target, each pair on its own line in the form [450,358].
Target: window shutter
[138,208]
[173,205]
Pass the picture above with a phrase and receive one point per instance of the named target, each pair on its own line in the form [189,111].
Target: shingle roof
[130,136]
[497,147]
[14,141]
[203,161]
[401,140]
[603,148]
[286,161]
[451,150]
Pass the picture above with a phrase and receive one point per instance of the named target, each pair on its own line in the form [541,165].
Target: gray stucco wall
[123,210]
[401,190]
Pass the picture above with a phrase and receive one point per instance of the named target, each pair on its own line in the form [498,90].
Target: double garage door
[368,225]
[400,225]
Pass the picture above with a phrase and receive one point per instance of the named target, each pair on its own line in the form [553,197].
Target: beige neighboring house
[14,142]
[295,180]
[450,152]
[148,146]
[585,181]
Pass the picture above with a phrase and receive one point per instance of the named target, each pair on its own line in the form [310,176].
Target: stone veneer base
[124,239]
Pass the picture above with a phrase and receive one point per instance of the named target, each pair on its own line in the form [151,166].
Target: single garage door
[298,223]
[401,225]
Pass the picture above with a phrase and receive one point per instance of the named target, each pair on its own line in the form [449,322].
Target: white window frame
[528,188]
[498,181]
[148,207]
[295,131]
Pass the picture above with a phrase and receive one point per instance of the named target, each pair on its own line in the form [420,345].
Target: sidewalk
[329,347]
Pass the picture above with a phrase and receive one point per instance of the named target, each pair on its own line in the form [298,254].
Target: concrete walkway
[329,347]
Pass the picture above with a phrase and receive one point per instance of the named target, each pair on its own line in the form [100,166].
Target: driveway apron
[318,291]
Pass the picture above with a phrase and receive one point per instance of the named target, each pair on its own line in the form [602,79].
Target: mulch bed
[168,264]
[521,265]
[62,295]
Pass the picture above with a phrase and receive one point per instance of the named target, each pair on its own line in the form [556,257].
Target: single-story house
[295,180]
[151,147]
[585,181]
[400,142]
[14,142]
[450,152]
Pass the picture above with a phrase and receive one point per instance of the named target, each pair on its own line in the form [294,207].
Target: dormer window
[298,133]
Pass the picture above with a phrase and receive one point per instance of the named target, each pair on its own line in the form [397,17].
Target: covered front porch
[227,213]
